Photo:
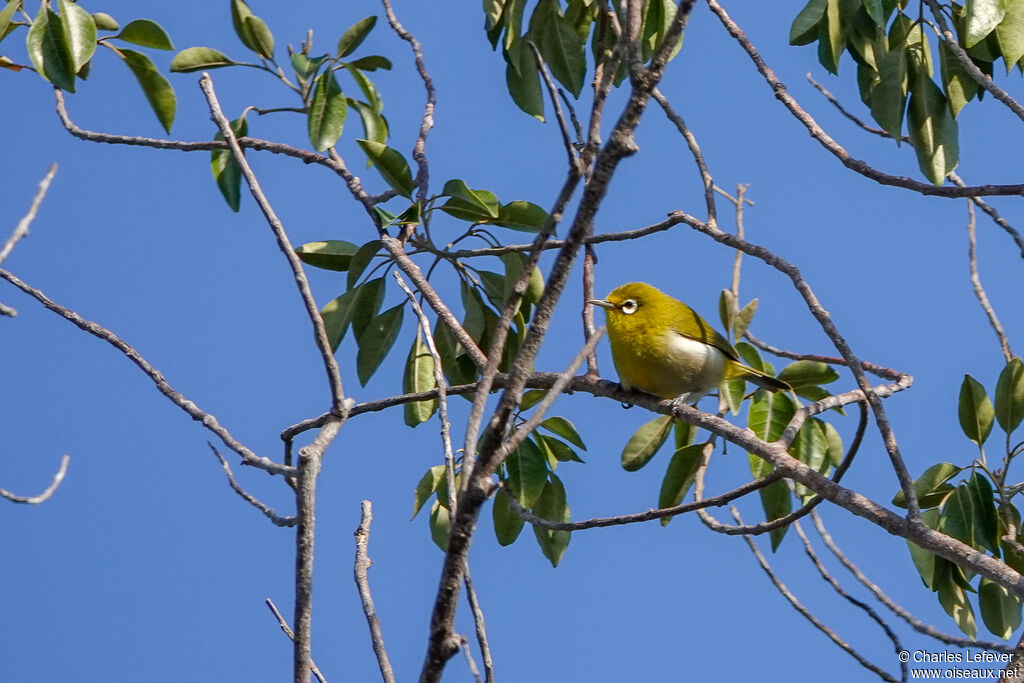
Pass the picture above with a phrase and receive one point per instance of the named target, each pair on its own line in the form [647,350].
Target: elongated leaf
[486,202]
[391,165]
[954,600]
[975,410]
[360,260]
[743,319]
[981,17]
[305,66]
[805,26]
[1000,609]
[888,98]
[104,21]
[492,13]
[734,390]
[876,10]
[834,441]
[507,523]
[329,254]
[931,487]
[552,505]
[371,298]
[563,428]
[337,315]
[261,36]
[457,366]
[34,40]
[355,35]
[560,44]
[428,483]
[769,415]
[80,31]
[440,526]
[527,471]
[146,33]
[367,87]
[57,59]
[679,477]
[969,514]
[6,14]
[419,376]
[808,372]
[1010,34]
[375,127]
[376,342]
[642,446]
[777,503]
[830,37]
[959,87]
[522,216]
[1009,405]
[226,171]
[474,322]
[559,449]
[928,565]
[327,110]
[523,80]
[239,13]
[157,89]
[372,63]
[199,58]
[933,130]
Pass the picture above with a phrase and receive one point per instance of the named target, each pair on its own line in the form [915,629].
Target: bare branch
[826,141]
[887,373]
[979,291]
[481,630]
[563,126]
[291,636]
[362,564]
[21,229]
[809,549]
[698,155]
[806,613]
[589,261]
[252,500]
[312,310]
[915,623]
[45,495]
[825,320]
[201,416]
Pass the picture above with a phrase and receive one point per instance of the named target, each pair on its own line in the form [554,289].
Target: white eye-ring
[629,306]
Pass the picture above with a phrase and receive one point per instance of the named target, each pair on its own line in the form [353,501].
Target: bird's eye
[629,306]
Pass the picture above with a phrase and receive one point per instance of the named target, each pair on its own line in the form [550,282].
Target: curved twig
[979,290]
[277,519]
[45,495]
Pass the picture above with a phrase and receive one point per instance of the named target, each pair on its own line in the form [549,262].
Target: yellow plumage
[661,346]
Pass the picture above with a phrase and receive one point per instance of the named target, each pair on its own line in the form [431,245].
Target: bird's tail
[761,379]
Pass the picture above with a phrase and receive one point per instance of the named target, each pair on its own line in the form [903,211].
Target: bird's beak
[603,303]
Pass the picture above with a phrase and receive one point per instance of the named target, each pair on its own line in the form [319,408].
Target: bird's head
[636,304]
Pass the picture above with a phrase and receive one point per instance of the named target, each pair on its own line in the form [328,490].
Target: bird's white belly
[700,367]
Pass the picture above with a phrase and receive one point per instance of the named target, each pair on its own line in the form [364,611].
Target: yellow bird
[661,346]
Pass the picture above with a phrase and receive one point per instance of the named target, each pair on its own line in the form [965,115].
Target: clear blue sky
[145,563]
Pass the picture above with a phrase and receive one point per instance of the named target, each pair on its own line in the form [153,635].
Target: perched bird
[662,347]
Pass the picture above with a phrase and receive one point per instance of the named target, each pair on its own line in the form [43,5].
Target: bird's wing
[689,319]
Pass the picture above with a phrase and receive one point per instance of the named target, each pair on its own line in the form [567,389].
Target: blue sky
[145,563]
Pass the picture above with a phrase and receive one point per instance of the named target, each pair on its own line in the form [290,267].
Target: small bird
[661,346]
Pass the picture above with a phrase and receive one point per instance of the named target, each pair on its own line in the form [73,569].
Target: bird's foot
[680,400]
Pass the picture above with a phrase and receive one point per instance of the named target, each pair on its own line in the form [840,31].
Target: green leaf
[440,526]
[158,92]
[375,127]
[360,260]
[552,505]
[959,87]
[969,514]
[929,565]
[642,446]
[34,40]
[563,428]
[104,21]
[486,203]
[337,315]
[777,503]
[306,66]
[982,16]
[975,410]
[371,63]
[376,341]
[327,111]
[743,319]
[419,376]
[523,80]
[954,600]
[367,87]
[888,98]
[679,477]
[808,373]
[933,130]
[931,487]
[355,35]
[6,14]
[521,216]
[474,321]
[527,471]
[1010,36]
[80,31]
[769,415]
[836,453]
[830,37]
[559,44]
[492,13]
[559,449]
[239,13]
[531,398]
[391,165]
[371,298]
[751,356]
[329,254]
[55,60]
[261,36]
[457,366]
[805,26]
[1000,609]
[146,33]
[734,390]
[199,58]
[1010,395]
[507,522]
[428,483]
[876,11]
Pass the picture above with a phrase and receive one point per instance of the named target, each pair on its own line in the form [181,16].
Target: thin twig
[45,495]
[698,156]
[806,613]
[481,630]
[563,126]
[903,614]
[291,636]
[464,641]
[897,646]
[826,141]
[201,416]
[312,310]
[249,498]
[873,368]
[362,564]
[21,229]
[589,261]
[979,291]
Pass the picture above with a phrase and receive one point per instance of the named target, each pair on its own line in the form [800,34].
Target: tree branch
[249,498]
[362,564]
[291,636]
[979,290]
[45,495]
